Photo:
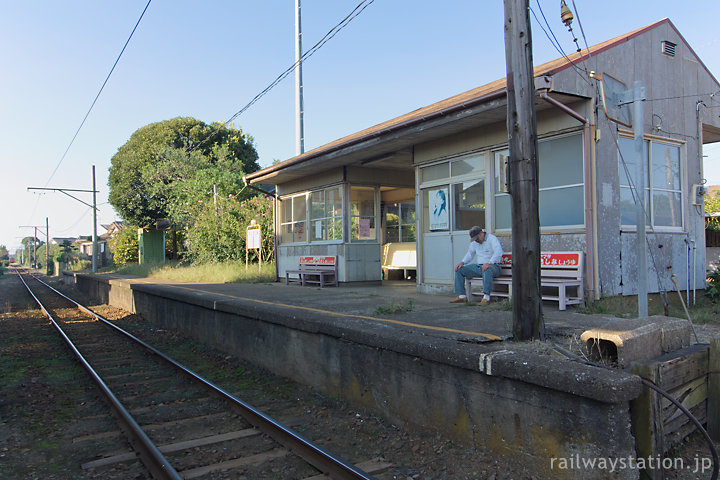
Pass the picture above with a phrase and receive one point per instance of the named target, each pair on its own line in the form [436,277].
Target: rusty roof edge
[371,133]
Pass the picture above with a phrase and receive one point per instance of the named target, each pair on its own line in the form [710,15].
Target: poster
[438,206]
[253,238]
[364,230]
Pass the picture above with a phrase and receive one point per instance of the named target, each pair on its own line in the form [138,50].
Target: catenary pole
[299,108]
[94,238]
[523,172]
[47,245]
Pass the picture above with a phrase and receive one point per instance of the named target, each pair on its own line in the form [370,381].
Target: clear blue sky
[208,59]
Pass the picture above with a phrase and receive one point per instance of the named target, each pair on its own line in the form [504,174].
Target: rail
[324,461]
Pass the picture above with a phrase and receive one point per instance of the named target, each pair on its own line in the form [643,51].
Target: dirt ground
[46,401]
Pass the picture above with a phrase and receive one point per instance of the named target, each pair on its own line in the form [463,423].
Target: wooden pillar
[523,172]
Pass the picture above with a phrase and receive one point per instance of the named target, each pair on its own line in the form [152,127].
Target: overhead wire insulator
[566,14]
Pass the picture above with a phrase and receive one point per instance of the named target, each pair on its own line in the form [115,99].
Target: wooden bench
[558,271]
[314,271]
[399,256]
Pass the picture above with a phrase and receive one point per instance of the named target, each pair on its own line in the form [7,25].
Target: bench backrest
[552,264]
[315,261]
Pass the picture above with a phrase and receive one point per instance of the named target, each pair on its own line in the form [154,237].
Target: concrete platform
[439,365]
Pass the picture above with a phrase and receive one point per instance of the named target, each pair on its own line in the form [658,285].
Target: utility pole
[299,108]
[35,239]
[93,206]
[523,172]
[94,237]
[47,245]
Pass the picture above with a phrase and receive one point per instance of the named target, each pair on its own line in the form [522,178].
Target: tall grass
[227,272]
[704,310]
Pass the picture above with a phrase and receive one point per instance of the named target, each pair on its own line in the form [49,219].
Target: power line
[555,43]
[359,8]
[98,94]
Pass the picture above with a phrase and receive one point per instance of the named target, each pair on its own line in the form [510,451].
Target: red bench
[558,272]
[314,271]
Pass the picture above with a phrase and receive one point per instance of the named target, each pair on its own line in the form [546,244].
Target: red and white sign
[317,261]
[559,259]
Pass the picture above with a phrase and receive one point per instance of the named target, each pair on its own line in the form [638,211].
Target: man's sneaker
[458,300]
[484,301]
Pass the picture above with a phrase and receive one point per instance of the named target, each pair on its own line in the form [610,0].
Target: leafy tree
[124,245]
[712,205]
[168,164]
[219,234]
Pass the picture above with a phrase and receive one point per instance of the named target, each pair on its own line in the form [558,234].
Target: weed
[395,308]
[713,284]
[227,272]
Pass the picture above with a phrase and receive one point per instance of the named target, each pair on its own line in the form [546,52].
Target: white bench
[399,256]
[558,271]
[314,270]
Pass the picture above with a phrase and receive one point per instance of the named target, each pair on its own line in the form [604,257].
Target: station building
[414,185]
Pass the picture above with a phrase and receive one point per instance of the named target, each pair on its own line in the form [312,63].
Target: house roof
[459,106]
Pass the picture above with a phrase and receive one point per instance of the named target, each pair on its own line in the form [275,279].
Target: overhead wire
[555,43]
[98,94]
[359,8]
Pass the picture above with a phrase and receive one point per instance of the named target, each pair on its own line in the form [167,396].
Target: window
[469,204]
[362,214]
[458,205]
[293,215]
[326,215]
[663,191]
[400,222]
[560,181]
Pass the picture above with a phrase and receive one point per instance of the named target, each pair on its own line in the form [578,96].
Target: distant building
[355,195]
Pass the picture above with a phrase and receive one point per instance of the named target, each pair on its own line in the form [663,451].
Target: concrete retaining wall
[514,403]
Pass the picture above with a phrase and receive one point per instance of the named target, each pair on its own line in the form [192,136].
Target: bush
[219,232]
[713,284]
[124,246]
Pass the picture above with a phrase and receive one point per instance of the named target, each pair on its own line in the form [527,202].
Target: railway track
[175,422]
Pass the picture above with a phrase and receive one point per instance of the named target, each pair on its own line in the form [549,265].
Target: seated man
[486,247]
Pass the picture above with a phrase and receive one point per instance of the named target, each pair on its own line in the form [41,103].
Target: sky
[208,59]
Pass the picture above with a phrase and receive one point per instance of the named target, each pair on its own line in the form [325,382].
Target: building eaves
[470,98]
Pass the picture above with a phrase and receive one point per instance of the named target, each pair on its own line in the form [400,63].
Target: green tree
[124,245]
[219,232]
[712,205]
[166,166]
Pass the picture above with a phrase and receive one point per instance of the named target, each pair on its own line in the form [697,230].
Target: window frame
[312,219]
[648,141]
[450,181]
[498,193]
[294,220]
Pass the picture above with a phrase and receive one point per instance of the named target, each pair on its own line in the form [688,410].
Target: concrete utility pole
[94,237]
[523,172]
[299,108]
[47,245]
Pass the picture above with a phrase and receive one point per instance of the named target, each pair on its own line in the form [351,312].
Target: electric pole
[299,108]
[93,206]
[523,172]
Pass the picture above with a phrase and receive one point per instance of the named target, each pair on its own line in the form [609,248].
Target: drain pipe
[687,268]
[694,249]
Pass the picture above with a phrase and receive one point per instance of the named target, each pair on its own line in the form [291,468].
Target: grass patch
[703,311]
[395,308]
[228,272]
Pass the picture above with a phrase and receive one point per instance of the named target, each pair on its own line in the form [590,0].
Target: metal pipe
[694,249]
[687,269]
[544,95]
